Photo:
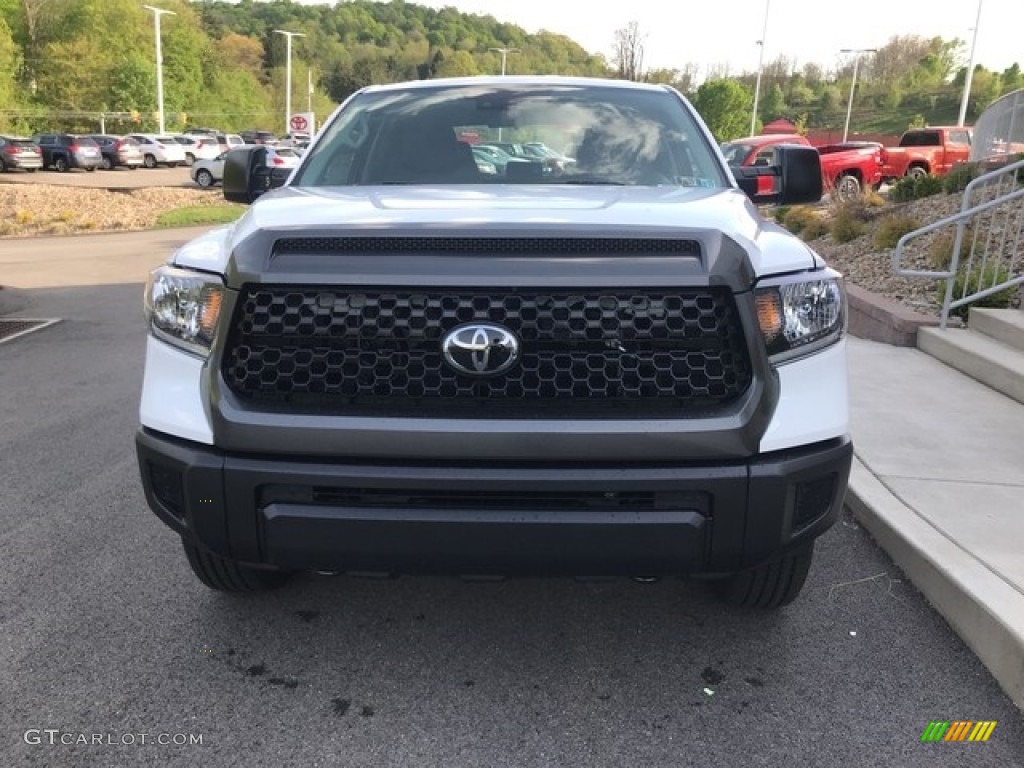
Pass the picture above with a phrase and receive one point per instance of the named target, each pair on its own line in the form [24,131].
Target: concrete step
[1005,325]
[993,363]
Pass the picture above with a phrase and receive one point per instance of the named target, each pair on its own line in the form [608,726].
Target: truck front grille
[378,351]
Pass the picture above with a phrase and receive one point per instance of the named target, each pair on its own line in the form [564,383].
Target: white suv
[159,150]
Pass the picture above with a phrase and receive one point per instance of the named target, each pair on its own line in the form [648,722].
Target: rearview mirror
[793,179]
[247,175]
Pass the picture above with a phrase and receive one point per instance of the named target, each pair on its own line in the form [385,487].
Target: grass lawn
[198,215]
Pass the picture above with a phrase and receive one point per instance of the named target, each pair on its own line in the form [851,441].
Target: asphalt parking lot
[120,178]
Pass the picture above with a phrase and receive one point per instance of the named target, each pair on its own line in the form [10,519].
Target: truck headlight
[800,316]
[183,306]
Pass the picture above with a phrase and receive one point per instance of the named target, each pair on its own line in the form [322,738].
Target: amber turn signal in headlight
[183,308]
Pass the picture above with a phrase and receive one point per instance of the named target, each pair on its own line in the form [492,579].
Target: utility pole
[288,79]
[760,68]
[504,55]
[970,71]
[853,85]
[157,13]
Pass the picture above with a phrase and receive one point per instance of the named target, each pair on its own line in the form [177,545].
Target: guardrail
[991,224]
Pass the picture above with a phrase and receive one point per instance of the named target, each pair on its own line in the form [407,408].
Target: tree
[774,103]
[629,52]
[725,106]
[10,63]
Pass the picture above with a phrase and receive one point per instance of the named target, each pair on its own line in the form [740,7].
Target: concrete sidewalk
[938,480]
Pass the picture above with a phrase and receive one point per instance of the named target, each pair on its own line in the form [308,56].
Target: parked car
[934,150]
[294,140]
[159,150]
[64,151]
[198,147]
[20,153]
[259,137]
[206,173]
[118,151]
[497,156]
[846,169]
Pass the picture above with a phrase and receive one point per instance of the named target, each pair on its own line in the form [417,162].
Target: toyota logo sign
[480,349]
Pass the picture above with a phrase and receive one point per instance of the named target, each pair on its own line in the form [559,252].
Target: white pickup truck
[394,362]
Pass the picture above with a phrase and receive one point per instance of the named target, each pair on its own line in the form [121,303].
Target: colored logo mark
[958,730]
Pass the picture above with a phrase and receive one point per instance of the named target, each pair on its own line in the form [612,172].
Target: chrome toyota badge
[480,349]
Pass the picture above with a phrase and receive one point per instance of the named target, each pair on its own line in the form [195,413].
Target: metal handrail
[967,213]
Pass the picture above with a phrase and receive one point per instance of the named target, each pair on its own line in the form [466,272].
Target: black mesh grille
[362,351]
[562,246]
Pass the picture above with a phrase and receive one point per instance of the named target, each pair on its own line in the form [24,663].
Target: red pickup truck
[846,169]
[927,151]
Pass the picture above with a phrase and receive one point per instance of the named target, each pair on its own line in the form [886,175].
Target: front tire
[225,575]
[108,164]
[60,165]
[771,585]
[189,159]
[204,178]
[149,161]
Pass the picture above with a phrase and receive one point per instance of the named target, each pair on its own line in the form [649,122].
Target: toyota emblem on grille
[480,349]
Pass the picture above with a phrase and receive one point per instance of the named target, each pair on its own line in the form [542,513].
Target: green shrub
[846,226]
[781,212]
[871,199]
[940,251]
[909,188]
[977,279]
[891,228]
[799,217]
[960,176]
[814,229]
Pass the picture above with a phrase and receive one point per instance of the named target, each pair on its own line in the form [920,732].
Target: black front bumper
[691,518]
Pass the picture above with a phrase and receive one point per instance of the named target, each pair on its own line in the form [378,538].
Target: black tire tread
[225,575]
[771,585]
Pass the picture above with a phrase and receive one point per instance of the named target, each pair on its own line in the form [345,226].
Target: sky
[713,33]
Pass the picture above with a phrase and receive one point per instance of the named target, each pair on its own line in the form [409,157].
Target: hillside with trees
[66,63]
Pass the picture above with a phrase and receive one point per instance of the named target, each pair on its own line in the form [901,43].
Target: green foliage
[891,228]
[960,176]
[940,250]
[967,281]
[225,66]
[200,215]
[909,188]
[815,228]
[847,224]
[725,106]
[799,218]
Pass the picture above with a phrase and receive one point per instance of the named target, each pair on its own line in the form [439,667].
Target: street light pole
[760,68]
[853,85]
[288,79]
[504,55]
[970,70]
[157,13]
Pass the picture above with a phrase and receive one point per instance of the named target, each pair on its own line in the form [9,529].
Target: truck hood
[703,214]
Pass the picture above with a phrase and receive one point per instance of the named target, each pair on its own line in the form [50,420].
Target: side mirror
[795,178]
[247,175]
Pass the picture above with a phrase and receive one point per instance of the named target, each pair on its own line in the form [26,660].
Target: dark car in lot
[259,137]
[118,151]
[64,151]
[19,153]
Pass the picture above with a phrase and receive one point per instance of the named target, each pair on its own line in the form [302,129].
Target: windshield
[735,153]
[599,134]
